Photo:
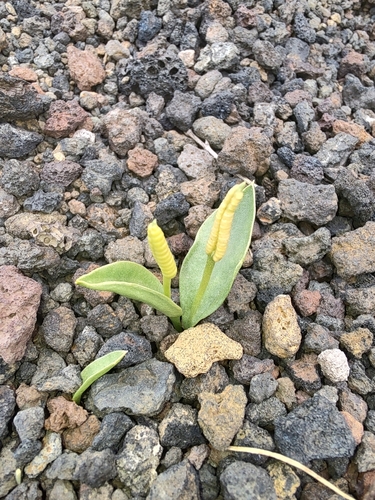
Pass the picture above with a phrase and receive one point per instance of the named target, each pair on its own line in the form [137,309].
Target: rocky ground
[97,98]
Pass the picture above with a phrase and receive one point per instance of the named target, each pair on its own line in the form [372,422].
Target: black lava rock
[218,105]
[16,142]
[171,207]
[182,109]
[149,25]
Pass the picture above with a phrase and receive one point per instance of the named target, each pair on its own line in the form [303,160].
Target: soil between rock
[96,98]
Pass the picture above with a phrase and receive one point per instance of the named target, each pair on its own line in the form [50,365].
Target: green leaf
[133,281]
[96,369]
[224,271]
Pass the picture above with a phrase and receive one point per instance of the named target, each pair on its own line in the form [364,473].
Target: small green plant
[207,273]
[96,369]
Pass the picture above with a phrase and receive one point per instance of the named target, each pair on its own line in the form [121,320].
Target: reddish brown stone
[85,68]
[180,243]
[64,414]
[355,427]
[307,302]
[64,118]
[330,306]
[353,129]
[25,73]
[80,438]
[304,374]
[247,18]
[19,302]
[296,96]
[28,396]
[353,63]
[142,162]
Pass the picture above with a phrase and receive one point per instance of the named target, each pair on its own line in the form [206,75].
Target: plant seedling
[96,369]
[207,273]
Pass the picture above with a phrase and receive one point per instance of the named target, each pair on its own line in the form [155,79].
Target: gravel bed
[116,112]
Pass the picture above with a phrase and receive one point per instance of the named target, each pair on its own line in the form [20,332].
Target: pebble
[195,163]
[58,329]
[334,365]
[281,332]
[319,339]
[221,415]
[211,129]
[16,142]
[52,448]
[364,457]
[141,390]
[95,468]
[138,349]
[265,413]
[180,428]
[29,423]
[241,479]
[262,387]
[85,68]
[7,407]
[112,429]
[322,419]
[179,481]
[197,348]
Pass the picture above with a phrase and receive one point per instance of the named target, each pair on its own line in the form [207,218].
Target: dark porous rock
[268,56]
[304,374]
[244,480]
[105,321]
[247,331]
[138,348]
[86,345]
[242,293]
[30,491]
[259,92]
[358,380]
[180,428]
[155,328]
[43,202]
[248,366]
[182,109]
[17,142]
[254,436]
[171,207]
[356,95]
[305,202]
[149,25]
[89,246]
[138,460]
[265,413]
[63,467]
[28,256]
[61,173]
[58,329]
[314,430]
[218,105]
[29,423]
[309,249]
[337,150]
[140,390]
[180,482]
[19,178]
[113,428]
[95,468]
[215,380]
[145,75]
[304,114]
[19,100]
[100,174]
[302,29]
[318,339]
[262,387]
[7,406]
[360,301]
[139,221]
[306,169]
[365,455]
[26,451]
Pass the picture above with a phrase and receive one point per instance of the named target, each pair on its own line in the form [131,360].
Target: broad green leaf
[133,281]
[224,271]
[97,369]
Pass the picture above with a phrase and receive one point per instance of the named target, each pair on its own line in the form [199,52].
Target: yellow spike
[212,239]
[160,250]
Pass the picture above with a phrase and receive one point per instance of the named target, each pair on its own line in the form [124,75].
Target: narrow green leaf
[133,281]
[97,369]
[224,271]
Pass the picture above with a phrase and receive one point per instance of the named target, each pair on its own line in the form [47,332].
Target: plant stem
[176,322]
[210,263]
[167,286]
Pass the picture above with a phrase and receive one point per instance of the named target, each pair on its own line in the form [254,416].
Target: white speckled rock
[197,348]
[334,365]
[281,332]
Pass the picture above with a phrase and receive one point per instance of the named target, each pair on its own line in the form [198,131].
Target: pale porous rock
[52,448]
[221,415]
[334,365]
[353,252]
[195,163]
[19,302]
[281,332]
[358,341]
[85,68]
[197,348]
[124,129]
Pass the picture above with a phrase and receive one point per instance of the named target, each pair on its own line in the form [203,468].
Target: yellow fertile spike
[160,250]
[212,240]
[225,226]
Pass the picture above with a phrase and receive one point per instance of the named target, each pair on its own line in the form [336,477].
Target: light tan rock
[358,341]
[221,415]
[197,348]
[281,332]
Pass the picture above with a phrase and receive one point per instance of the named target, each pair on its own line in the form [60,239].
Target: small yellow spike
[160,250]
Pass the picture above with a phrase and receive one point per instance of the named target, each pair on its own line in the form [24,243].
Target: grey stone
[26,451]
[265,413]
[243,480]
[307,169]
[218,55]
[105,321]
[43,202]
[215,380]
[100,174]
[318,339]
[60,172]
[314,430]
[309,249]
[370,421]
[195,163]
[62,489]
[28,256]
[138,460]
[182,109]
[58,329]
[360,301]
[149,25]
[262,387]
[138,348]
[218,105]
[337,150]
[304,114]
[140,390]
[248,366]
[247,331]
[16,142]
[29,491]
[302,29]
[365,456]
[211,129]
[95,468]
[171,207]
[19,178]
[7,407]
[155,328]
[180,427]
[113,428]
[256,437]
[358,380]
[63,467]
[179,482]
[267,55]
[29,423]
[305,202]
[356,95]
[89,246]
[139,221]
[8,204]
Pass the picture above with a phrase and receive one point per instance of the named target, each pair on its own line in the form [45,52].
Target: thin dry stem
[204,144]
